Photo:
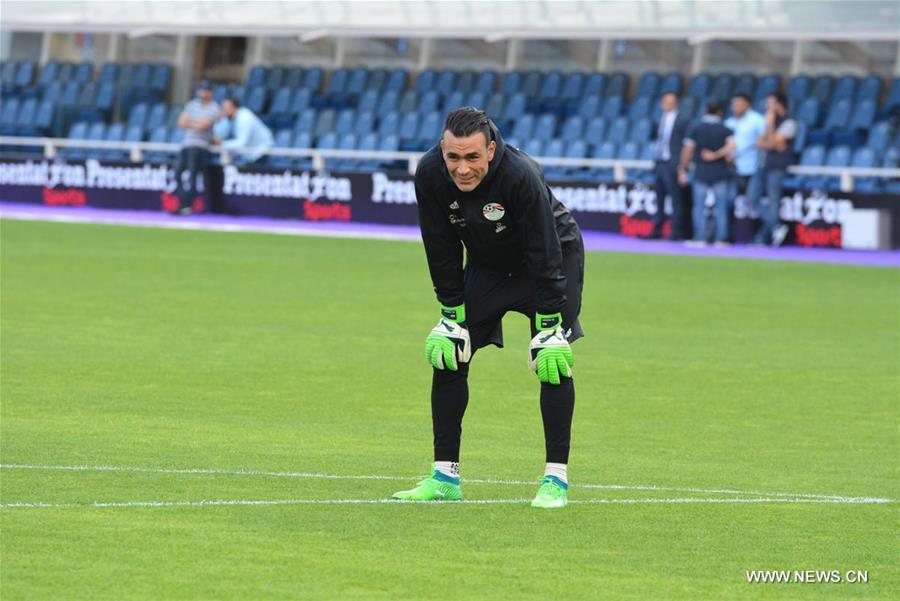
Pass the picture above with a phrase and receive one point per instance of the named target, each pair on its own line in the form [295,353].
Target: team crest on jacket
[493,211]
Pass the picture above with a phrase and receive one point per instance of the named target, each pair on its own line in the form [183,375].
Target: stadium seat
[515,108]
[52,91]
[590,107]
[596,131]
[429,101]
[358,81]
[606,151]
[821,88]
[408,130]
[648,84]
[545,127]
[486,82]
[44,118]
[618,130]
[376,80]
[281,101]
[426,81]
[699,86]
[25,74]
[573,128]
[327,140]
[364,123]
[257,75]
[572,86]
[389,124]
[138,116]
[595,85]
[160,78]
[864,115]
[612,108]
[893,99]
[453,101]
[798,87]
[630,151]
[345,121]
[446,82]
[24,125]
[809,112]
[396,81]
[9,113]
[744,84]
[534,147]
[337,84]
[721,87]
[496,104]
[865,158]
[523,128]
[641,107]
[512,82]
[768,84]
[617,84]
[293,78]
[157,117]
[313,79]
[49,74]
[671,82]
[368,101]
[325,122]
[257,100]
[869,88]
[642,130]
[274,78]
[160,135]
[813,156]
[839,114]
[239,93]
[114,133]
[306,123]
[879,138]
[477,100]
[845,87]
[429,130]
[551,87]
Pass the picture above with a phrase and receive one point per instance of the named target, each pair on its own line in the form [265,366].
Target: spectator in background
[748,126]
[197,120]
[243,132]
[712,172]
[669,141]
[778,142]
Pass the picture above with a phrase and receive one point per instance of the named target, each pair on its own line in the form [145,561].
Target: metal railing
[319,156]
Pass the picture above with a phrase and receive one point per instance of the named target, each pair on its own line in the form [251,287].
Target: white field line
[269,502]
[275,474]
[296,230]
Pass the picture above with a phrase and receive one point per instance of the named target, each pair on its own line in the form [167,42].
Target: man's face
[205,95]
[774,106]
[229,109]
[467,158]
[739,106]
[669,102]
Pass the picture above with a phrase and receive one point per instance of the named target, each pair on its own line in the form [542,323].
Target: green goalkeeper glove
[550,354]
[449,343]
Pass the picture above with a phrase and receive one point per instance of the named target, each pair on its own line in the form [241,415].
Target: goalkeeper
[525,254]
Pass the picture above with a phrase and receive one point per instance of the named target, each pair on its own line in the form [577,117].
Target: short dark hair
[744,97]
[780,98]
[233,100]
[714,107]
[465,121]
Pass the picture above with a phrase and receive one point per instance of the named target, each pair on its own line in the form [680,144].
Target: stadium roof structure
[694,20]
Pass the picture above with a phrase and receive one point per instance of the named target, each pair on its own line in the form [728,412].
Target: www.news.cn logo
[807,576]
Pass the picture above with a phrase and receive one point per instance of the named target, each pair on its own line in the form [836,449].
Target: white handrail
[319,155]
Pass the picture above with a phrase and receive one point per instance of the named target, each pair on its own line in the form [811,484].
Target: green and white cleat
[437,487]
[552,493]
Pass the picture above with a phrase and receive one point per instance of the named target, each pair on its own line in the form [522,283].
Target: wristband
[457,314]
[550,321]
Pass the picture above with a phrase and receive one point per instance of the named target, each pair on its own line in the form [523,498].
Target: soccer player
[524,254]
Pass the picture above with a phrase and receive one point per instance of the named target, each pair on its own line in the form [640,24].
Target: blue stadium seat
[617,84]
[70,94]
[301,101]
[25,74]
[477,100]
[551,88]
[453,101]
[138,115]
[66,72]
[368,101]
[160,78]
[114,133]
[629,151]
[325,122]
[879,138]
[531,83]
[596,131]
[408,130]
[798,87]
[313,79]
[358,80]
[869,88]
[426,81]
[78,131]
[618,130]
[699,86]
[274,79]
[376,80]
[590,107]
[515,108]
[157,117]
[486,82]
[573,128]
[555,148]
[281,101]
[496,105]
[160,135]
[328,139]
[49,74]
[24,121]
[344,123]
[545,127]
[893,98]
[845,87]
[523,127]
[43,120]
[369,143]
[534,147]
[364,123]
[239,93]
[409,101]
[612,108]
[174,112]
[512,82]
[446,82]
[283,139]
[429,101]
[648,84]
[813,156]
[642,130]
[9,72]
[347,141]
[690,107]
[389,143]
[257,75]
[864,115]
[293,78]
[572,86]
[767,85]
[839,114]
[109,73]
[257,100]
[430,130]
[821,88]
[608,151]
[306,122]
[671,82]
[52,91]
[221,91]
[176,135]
[721,87]
[744,84]
[389,124]
[595,84]
[388,102]
[641,107]
[838,156]
[140,76]
[865,158]
[809,112]
[396,81]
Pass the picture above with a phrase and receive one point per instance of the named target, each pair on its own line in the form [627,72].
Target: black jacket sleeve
[443,248]
[542,249]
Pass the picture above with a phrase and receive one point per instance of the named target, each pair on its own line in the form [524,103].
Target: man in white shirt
[748,126]
[243,134]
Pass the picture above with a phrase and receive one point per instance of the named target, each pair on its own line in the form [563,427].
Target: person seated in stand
[243,135]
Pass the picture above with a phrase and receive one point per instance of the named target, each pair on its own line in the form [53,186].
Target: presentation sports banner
[386,197]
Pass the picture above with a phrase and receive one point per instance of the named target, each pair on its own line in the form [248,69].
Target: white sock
[558,470]
[448,468]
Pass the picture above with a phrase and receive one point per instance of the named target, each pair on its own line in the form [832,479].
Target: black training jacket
[510,223]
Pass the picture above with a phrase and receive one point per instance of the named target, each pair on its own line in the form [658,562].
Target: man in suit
[669,141]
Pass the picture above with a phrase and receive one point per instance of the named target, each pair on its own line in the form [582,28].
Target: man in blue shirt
[747,125]
[712,173]
[243,132]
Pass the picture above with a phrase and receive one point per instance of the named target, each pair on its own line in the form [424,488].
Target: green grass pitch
[176,350]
